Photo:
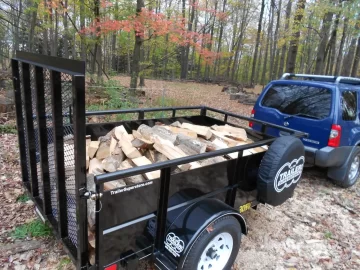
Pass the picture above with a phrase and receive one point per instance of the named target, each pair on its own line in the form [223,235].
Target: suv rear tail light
[252,116]
[335,136]
[111,267]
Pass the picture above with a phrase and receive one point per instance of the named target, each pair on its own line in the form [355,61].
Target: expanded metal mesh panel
[69,155]
[36,134]
[28,175]
[50,141]
[50,112]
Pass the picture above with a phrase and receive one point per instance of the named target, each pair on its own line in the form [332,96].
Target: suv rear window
[305,101]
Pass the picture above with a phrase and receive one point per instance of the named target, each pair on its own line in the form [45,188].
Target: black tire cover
[280,170]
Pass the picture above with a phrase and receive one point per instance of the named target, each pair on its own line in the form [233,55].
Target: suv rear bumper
[327,156]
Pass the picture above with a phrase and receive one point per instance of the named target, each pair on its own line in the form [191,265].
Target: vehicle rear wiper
[301,114]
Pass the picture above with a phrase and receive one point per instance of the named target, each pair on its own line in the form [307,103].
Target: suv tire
[352,170]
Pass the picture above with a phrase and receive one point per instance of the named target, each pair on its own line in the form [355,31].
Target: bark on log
[157,132]
[104,150]
[111,164]
[127,164]
[197,146]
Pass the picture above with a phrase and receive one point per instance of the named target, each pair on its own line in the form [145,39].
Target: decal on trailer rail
[125,189]
[174,244]
[289,174]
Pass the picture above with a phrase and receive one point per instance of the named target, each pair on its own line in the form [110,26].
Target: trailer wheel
[216,247]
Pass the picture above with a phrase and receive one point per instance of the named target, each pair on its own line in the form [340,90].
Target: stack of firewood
[119,150]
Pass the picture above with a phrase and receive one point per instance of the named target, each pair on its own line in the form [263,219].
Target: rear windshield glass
[305,101]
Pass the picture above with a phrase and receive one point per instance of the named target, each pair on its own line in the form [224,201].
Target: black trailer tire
[280,170]
[353,163]
[227,226]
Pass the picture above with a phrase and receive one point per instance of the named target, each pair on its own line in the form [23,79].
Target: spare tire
[280,170]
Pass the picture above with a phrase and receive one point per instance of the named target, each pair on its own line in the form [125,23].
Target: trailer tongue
[182,220]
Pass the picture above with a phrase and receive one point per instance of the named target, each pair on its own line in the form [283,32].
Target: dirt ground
[319,228]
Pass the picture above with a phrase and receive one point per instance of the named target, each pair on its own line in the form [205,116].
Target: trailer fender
[191,222]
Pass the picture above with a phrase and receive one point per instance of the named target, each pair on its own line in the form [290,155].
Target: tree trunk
[294,43]
[355,66]
[45,33]
[284,47]
[137,51]
[113,41]
[183,48]
[216,65]
[341,48]
[66,32]
[32,27]
[82,26]
[349,57]
[257,42]
[332,45]
[275,49]
[268,39]
[321,55]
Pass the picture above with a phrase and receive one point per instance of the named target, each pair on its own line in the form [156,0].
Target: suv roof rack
[325,78]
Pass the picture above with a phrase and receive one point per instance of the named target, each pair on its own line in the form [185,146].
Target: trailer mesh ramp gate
[50,97]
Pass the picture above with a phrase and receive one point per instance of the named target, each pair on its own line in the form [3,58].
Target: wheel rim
[217,253]
[354,168]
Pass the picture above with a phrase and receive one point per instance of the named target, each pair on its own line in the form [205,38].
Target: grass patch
[8,129]
[63,263]
[23,198]
[328,235]
[35,228]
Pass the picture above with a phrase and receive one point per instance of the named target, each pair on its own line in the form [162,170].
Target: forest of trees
[242,41]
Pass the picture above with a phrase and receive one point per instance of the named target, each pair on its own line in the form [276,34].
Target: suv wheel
[352,171]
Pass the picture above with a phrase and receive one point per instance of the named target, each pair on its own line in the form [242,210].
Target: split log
[88,140]
[157,132]
[197,146]
[235,133]
[95,166]
[113,144]
[119,131]
[135,179]
[210,146]
[211,161]
[173,152]
[141,161]
[114,184]
[104,150]
[200,130]
[187,150]
[137,135]
[107,137]
[141,144]
[222,136]
[176,124]
[110,164]
[90,184]
[183,131]
[93,147]
[155,156]
[220,144]
[91,238]
[126,146]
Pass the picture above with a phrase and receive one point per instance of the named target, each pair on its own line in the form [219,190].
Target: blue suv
[325,107]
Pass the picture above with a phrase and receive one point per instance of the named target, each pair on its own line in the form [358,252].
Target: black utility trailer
[187,220]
